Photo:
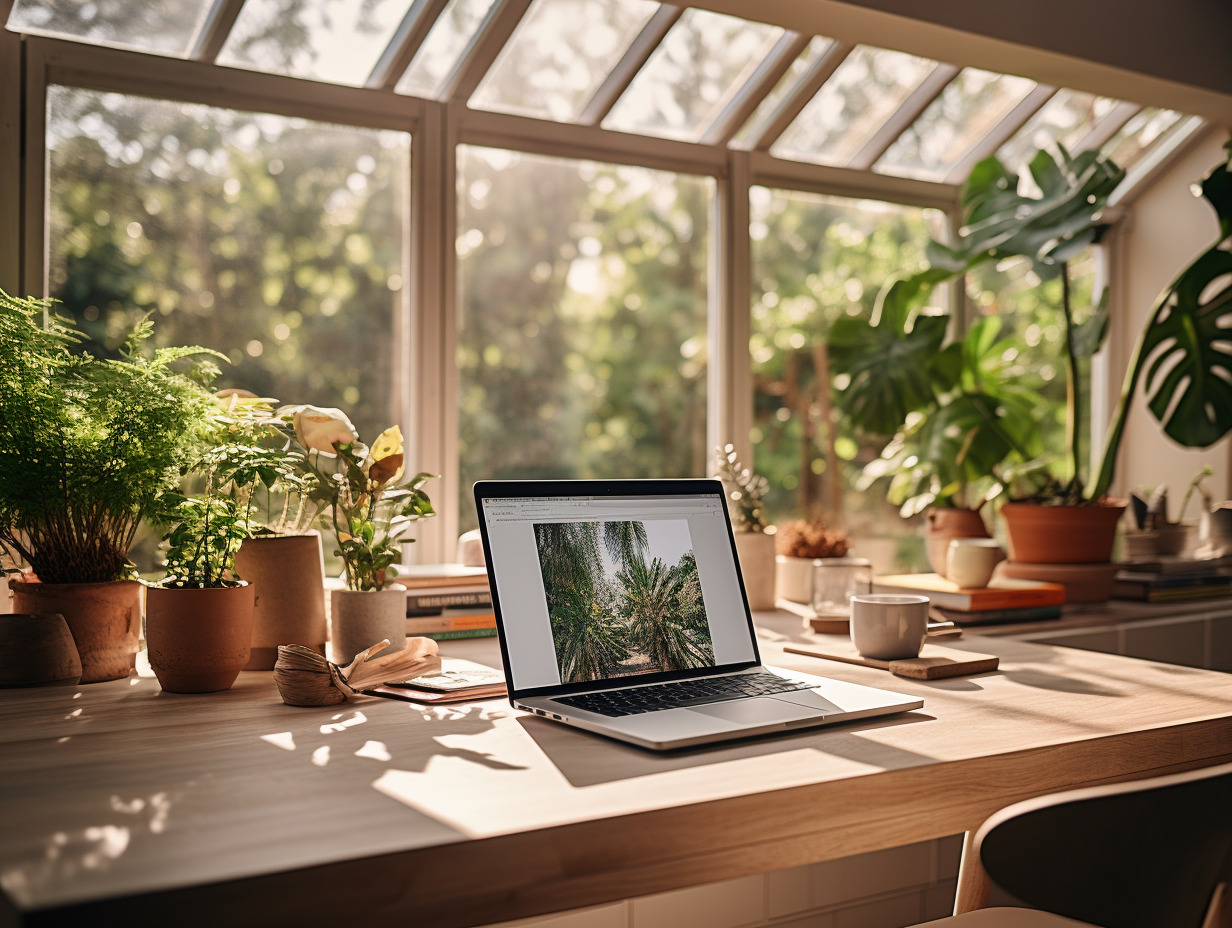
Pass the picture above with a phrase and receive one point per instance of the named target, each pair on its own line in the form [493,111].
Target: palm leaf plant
[657,601]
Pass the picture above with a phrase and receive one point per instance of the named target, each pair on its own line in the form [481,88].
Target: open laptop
[621,610]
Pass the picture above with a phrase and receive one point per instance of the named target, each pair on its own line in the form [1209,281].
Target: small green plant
[358,488]
[745,491]
[88,446]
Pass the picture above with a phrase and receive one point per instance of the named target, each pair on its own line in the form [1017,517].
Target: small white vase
[757,565]
[794,578]
[359,620]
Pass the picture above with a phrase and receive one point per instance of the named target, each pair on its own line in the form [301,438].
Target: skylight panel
[442,49]
[1144,132]
[1066,118]
[769,108]
[852,105]
[966,110]
[559,55]
[334,41]
[696,69]
[163,26]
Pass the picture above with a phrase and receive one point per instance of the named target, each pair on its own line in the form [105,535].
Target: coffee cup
[969,562]
[888,626]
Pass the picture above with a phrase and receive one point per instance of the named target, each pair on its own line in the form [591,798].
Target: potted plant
[90,445]
[754,538]
[799,544]
[199,617]
[370,511]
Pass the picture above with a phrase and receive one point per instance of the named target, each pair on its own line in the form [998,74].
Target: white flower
[317,429]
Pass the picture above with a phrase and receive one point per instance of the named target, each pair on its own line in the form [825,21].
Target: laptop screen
[602,587]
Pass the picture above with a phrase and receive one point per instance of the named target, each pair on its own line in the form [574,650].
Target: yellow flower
[385,459]
[318,429]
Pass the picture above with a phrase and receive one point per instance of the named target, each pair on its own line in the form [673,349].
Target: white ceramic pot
[794,578]
[757,564]
[359,620]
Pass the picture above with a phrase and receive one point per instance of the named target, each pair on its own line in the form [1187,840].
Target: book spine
[984,600]
[439,601]
[419,626]
[994,616]
[461,633]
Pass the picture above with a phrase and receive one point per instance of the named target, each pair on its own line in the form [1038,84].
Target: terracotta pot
[757,566]
[942,525]
[359,620]
[287,573]
[198,639]
[1061,534]
[104,619]
[37,650]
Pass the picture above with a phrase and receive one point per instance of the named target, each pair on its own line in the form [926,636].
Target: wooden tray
[934,662]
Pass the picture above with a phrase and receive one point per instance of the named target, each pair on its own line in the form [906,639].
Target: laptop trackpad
[759,710]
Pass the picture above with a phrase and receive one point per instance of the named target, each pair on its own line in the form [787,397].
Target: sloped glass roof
[641,67]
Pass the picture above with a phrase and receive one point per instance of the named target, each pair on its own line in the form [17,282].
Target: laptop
[621,610]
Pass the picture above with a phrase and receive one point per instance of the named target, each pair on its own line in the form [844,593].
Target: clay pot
[942,525]
[758,567]
[198,639]
[1061,534]
[104,619]
[37,650]
[359,620]
[288,575]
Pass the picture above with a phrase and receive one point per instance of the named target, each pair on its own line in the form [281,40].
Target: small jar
[835,581]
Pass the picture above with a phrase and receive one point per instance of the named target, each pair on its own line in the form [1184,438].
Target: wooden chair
[1153,853]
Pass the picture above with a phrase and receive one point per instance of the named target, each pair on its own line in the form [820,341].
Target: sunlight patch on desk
[320,757]
[281,739]
[341,723]
[76,713]
[374,750]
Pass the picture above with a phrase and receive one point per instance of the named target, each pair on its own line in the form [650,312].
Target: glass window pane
[766,110]
[582,326]
[337,41]
[443,47]
[702,62]
[559,55]
[164,26]
[1144,131]
[852,105]
[275,241]
[971,105]
[816,259]
[1066,118]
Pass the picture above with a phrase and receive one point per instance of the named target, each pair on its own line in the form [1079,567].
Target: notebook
[621,610]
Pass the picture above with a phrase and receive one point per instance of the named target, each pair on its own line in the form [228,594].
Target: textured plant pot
[942,525]
[359,620]
[288,575]
[758,567]
[104,619]
[198,639]
[1061,534]
[37,650]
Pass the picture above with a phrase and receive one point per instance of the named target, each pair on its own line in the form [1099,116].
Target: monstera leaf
[1185,351]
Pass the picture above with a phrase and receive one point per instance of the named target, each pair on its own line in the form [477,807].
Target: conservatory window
[433,64]
[167,27]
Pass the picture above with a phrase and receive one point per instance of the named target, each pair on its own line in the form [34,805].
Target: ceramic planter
[757,566]
[198,639]
[944,524]
[359,620]
[288,576]
[37,650]
[104,619]
[1061,534]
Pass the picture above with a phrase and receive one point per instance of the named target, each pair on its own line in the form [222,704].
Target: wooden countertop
[119,801]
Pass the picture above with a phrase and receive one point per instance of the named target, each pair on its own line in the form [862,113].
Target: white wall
[1166,229]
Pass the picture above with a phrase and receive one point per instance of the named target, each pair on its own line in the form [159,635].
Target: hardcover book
[1001,593]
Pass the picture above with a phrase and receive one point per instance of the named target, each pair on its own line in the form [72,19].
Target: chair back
[1144,854]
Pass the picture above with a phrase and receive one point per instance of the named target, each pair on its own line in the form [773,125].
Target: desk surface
[121,801]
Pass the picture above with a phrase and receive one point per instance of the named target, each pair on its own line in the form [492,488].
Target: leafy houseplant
[370,511]
[89,446]
[745,492]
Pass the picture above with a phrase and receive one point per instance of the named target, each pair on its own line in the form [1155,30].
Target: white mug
[969,562]
[888,626]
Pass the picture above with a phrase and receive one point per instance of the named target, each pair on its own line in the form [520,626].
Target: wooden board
[933,663]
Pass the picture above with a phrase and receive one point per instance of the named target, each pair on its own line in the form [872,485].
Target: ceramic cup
[888,626]
[969,562]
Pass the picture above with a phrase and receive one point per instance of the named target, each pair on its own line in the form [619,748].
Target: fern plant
[88,445]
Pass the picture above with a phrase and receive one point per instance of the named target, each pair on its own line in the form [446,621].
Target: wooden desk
[123,804]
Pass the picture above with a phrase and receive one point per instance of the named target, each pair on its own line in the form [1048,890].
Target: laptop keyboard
[684,693]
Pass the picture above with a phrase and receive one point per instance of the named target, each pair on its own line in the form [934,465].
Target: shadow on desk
[590,760]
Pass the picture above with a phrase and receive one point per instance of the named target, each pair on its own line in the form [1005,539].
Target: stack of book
[446,601]
[1174,579]
[1003,601]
